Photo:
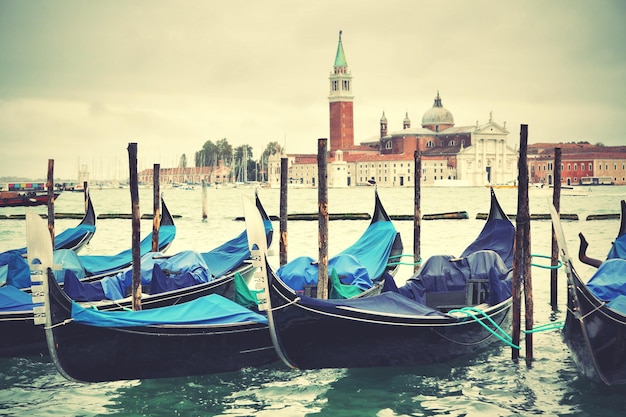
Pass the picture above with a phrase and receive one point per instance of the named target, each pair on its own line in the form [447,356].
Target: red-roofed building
[468,155]
[581,164]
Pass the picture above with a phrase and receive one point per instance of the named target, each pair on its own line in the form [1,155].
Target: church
[451,155]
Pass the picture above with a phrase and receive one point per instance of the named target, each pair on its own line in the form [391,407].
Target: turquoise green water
[487,384]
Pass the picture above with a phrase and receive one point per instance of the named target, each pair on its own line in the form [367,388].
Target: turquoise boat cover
[160,273]
[15,271]
[211,309]
[608,283]
[360,264]
[12,299]
[618,249]
[100,264]
[68,235]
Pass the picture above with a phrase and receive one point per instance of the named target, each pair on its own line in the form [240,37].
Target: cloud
[82,79]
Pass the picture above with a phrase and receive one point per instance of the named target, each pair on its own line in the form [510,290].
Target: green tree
[208,155]
[243,155]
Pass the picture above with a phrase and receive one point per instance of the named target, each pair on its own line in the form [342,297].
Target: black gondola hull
[595,335]
[96,354]
[26,339]
[315,338]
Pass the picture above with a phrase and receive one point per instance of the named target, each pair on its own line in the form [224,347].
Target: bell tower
[340,100]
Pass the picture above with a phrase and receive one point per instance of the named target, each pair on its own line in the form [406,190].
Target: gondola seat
[445,282]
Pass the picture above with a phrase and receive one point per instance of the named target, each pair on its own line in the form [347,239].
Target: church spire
[341,99]
[340,57]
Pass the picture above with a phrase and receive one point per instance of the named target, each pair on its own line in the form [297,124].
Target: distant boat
[25,195]
[596,181]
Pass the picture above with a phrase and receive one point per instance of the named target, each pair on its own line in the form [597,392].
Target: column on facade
[476,167]
[484,167]
[504,157]
[497,161]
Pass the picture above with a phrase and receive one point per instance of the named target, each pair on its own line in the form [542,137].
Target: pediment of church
[491,128]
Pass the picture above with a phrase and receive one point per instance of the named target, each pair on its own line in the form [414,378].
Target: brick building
[581,164]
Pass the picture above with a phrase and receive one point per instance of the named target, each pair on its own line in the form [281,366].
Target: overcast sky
[79,80]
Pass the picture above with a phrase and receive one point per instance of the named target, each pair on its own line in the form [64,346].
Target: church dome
[437,115]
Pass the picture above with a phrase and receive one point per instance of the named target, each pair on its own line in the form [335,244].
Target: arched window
[452,143]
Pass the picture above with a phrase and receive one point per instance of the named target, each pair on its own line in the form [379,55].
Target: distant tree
[207,156]
[183,161]
[224,151]
[242,155]
[599,144]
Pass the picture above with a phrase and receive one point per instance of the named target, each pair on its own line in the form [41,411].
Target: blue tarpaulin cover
[18,273]
[13,265]
[618,304]
[360,264]
[497,235]
[609,282]
[159,274]
[100,264]
[618,249]
[441,274]
[233,253]
[211,309]
[68,235]
[12,299]
[176,268]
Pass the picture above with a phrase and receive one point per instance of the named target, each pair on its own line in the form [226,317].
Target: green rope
[419,261]
[498,332]
[557,325]
[557,266]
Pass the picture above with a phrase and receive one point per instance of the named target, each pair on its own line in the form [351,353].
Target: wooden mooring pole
[205,191]
[156,204]
[556,201]
[522,257]
[284,170]
[322,197]
[50,188]
[417,218]
[136,226]
[86,195]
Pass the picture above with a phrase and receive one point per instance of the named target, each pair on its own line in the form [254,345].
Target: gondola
[13,265]
[595,322]
[229,266]
[78,237]
[359,269]
[208,335]
[392,329]
[17,272]
[181,277]
[100,264]
[618,248]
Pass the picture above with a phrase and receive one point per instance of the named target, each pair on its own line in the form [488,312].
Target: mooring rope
[555,325]
[557,266]
[497,332]
[419,261]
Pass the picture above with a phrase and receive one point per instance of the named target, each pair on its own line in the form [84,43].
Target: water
[487,384]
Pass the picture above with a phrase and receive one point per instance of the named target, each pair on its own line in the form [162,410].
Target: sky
[80,80]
